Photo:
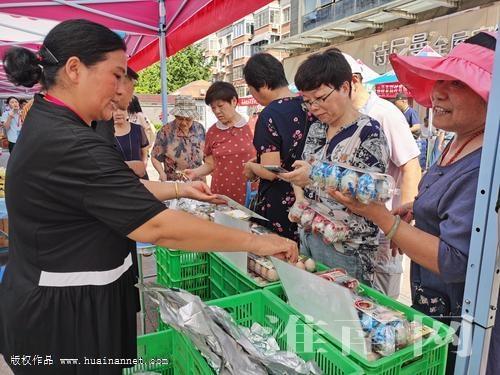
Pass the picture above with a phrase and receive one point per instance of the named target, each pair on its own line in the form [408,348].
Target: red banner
[390,90]
[247,101]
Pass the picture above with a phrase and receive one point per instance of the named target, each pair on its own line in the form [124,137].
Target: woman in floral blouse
[341,134]
[279,139]
[179,144]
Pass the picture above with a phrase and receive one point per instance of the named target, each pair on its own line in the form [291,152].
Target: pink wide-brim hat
[468,62]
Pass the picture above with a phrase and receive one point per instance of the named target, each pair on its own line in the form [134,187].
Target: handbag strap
[352,144]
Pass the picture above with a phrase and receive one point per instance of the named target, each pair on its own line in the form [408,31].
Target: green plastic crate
[289,330]
[168,353]
[185,270]
[432,353]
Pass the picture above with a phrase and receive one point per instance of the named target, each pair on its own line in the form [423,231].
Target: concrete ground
[149,272]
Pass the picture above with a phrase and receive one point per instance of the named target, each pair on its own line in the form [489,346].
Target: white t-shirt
[402,145]
[402,148]
[14,128]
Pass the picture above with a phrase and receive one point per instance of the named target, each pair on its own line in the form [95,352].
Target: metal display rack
[483,270]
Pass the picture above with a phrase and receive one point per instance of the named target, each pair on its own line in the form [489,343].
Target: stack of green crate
[262,307]
[427,357]
[207,275]
[185,270]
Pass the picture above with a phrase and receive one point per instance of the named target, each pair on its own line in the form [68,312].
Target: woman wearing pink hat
[443,210]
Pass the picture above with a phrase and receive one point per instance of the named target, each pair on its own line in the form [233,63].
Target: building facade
[370,30]
[232,46]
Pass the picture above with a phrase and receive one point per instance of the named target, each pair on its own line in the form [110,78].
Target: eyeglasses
[317,102]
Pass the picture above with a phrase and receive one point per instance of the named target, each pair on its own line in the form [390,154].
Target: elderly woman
[438,244]
[228,144]
[341,134]
[74,205]
[179,144]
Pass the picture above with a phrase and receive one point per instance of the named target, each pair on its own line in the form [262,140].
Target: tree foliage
[185,66]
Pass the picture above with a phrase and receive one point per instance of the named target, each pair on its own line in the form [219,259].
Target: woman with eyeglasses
[340,134]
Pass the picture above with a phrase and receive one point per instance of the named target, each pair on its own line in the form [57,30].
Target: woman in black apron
[68,293]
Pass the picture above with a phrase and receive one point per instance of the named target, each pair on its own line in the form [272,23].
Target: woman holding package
[228,144]
[68,289]
[341,134]
[438,244]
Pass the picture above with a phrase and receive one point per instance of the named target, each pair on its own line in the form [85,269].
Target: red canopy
[187,21]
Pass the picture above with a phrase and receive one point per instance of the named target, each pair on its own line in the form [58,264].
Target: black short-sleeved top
[72,201]
[281,127]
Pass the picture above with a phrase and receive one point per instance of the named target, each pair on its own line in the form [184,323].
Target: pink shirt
[230,147]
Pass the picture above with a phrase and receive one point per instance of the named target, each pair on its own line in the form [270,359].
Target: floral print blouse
[280,128]
[178,151]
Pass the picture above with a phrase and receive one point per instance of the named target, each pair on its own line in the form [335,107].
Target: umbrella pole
[163,60]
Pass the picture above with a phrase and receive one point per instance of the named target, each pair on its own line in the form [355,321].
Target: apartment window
[242,28]
[274,38]
[229,59]
[213,45]
[285,15]
[241,50]
[274,16]
[238,72]
[242,91]
[228,40]
[261,19]
[249,27]
[238,29]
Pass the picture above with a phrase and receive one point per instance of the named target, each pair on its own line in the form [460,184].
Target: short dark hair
[11,97]
[131,73]
[220,91]
[22,101]
[328,68]
[264,69]
[89,41]
[134,106]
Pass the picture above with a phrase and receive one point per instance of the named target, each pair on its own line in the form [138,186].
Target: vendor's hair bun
[22,67]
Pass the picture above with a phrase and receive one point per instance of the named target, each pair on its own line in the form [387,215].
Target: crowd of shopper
[81,214]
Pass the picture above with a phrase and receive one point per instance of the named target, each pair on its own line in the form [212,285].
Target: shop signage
[390,90]
[247,101]
[411,45]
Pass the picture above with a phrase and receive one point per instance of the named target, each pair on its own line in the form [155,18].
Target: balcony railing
[337,11]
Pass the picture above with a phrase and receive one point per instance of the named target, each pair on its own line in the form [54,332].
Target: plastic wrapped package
[349,182]
[228,347]
[297,210]
[318,224]
[306,220]
[366,186]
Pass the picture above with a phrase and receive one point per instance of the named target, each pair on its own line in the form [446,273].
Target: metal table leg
[142,249]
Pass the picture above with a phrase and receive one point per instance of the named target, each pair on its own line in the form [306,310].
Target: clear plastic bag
[365,186]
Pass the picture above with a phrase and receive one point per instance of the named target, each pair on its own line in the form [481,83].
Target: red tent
[187,21]
[150,23]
